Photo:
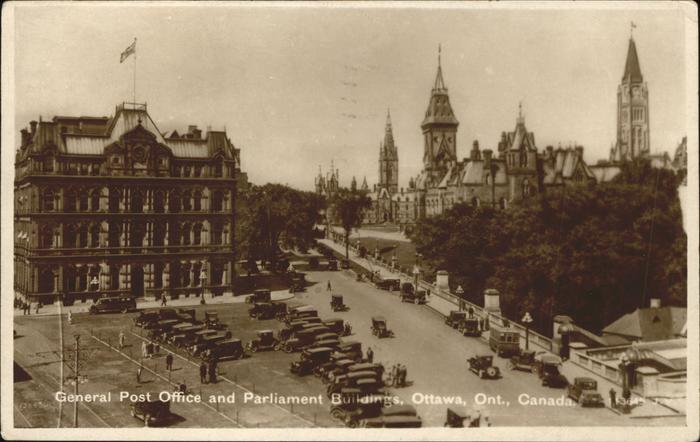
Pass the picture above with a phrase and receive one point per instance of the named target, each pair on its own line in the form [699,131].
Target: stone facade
[110,205]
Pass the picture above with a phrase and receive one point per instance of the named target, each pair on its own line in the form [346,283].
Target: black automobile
[455,317]
[337,303]
[483,366]
[379,327]
[145,318]
[259,295]
[153,412]
[121,304]
[228,349]
[332,264]
[265,341]
[310,359]
[262,310]
[388,284]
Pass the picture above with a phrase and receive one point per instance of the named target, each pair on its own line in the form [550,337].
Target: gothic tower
[632,111]
[388,160]
[439,130]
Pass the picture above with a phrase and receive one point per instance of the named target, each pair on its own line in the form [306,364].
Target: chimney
[25,136]
[194,132]
[655,303]
[579,151]
[475,153]
[33,124]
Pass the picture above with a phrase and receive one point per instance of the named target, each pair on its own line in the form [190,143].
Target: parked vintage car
[546,366]
[297,282]
[374,367]
[455,418]
[337,304]
[207,342]
[152,412]
[227,349]
[313,262]
[469,327]
[585,391]
[353,406]
[339,326]
[483,366]
[301,312]
[332,264]
[145,318]
[120,304]
[392,422]
[388,284]
[455,318]
[379,327]
[310,359]
[168,313]
[524,361]
[175,330]
[414,296]
[366,381]
[180,339]
[211,320]
[505,341]
[265,341]
[353,349]
[259,295]
[300,341]
[280,310]
[263,310]
[333,368]
[187,314]
[345,264]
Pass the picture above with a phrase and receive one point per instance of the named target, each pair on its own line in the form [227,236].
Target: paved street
[434,354]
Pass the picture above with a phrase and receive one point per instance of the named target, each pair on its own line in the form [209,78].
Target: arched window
[197,234]
[174,201]
[136,201]
[197,200]
[137,234]
[186,201]
[114,198]
[219,168]
[158,234]
[185,273]
[46,237]
[217,201]
[82,236]
[114,233]
[83,198]
[69,201]
[49,198]
[217,231]
[95,200]
[185,234]
[70,236]
[159,201]
[95,235]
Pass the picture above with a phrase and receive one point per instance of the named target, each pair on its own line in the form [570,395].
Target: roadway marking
[23,416]
[229,381]
[163,377]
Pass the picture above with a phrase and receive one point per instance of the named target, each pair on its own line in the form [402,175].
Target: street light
[527,320]
[202,282]
[460,293]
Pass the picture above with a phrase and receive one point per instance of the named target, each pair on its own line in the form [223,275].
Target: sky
[297,87]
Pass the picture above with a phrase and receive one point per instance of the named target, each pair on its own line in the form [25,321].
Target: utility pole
[77,372]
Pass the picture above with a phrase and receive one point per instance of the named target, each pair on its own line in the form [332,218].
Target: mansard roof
[90,135]
[439,109]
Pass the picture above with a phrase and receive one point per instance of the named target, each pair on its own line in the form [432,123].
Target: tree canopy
[274,215]
[348,206]
[593,253]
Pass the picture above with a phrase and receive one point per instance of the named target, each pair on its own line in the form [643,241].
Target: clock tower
[439,130]
[632,111]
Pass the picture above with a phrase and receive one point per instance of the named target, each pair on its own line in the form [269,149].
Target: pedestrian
[370,355]
[212,371]
[471,311]
[394,374]
[169,362]
[203,372]
[70,317]
[404,373]
[144,350]
[613,398]
[122,339]
[163,301]
[328,286]
[139,370]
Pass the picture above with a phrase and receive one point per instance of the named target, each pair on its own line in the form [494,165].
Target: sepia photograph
[350,221]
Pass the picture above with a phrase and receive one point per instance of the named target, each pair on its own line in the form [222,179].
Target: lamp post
[527,320]
[626,393]
[202,282]
[460,293]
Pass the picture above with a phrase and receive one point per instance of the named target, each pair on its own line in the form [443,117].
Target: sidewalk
[52,309]
[648,408]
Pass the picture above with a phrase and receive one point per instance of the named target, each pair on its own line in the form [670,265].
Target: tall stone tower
[632,111]
[439,130]
[388,160]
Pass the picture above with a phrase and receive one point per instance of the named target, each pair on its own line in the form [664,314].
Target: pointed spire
[388,118]
[439,82]
[521,118]
[632,69]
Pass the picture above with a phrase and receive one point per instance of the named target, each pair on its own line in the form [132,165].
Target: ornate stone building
[110,205]
[632,111]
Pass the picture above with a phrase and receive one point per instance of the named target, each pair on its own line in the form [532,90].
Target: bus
[505,341]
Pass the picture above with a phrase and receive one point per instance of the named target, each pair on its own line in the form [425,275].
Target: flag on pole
[128,51]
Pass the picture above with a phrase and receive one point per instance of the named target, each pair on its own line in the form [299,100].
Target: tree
[277,215]
[348,207]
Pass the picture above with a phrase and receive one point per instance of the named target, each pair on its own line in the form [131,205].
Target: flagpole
[134,70]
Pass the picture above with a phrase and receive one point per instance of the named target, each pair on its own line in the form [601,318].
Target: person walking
[394,374]
[370,355]
[139,370]
[122,339]
[203,372]
[163,301]
[613,398]
[169,362]
[70,317]
[328,286]
[212,371]
[144,350]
